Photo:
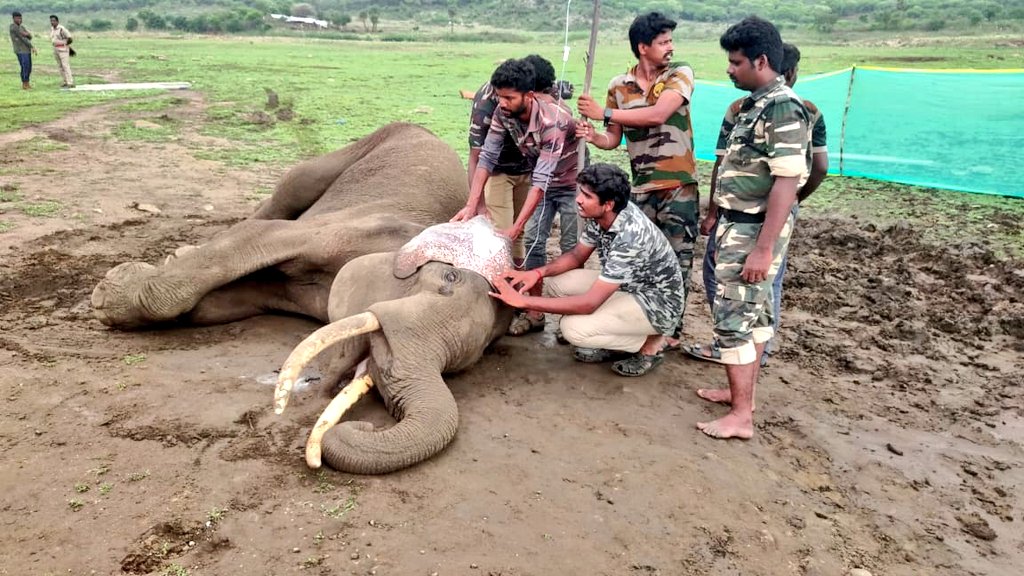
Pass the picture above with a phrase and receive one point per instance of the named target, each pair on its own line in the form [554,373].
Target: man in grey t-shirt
[626,308]
[21,39]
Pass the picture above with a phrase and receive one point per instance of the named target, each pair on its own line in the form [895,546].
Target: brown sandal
[524,324]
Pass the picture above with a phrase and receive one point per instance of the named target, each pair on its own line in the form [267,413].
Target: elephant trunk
[427,421]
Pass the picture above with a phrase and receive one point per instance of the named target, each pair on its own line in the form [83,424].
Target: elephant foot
[133,295]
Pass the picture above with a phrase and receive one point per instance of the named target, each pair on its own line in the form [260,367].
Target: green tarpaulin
[951,129]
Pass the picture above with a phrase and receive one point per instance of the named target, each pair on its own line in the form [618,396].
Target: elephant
[349,239]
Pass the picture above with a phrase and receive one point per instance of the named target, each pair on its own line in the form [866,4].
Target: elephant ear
[474,245]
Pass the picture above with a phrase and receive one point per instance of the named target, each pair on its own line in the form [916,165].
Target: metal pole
[582,145]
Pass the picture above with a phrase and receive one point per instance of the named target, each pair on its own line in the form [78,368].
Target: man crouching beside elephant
[623,311]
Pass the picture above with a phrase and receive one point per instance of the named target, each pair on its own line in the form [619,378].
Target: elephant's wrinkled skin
[324,246]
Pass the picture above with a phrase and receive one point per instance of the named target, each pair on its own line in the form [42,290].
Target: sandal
[524,324]
[697,351]
[638,364]
[596,355]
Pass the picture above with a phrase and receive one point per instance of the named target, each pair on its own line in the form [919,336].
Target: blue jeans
[25,60]
[560,201]
[711,286]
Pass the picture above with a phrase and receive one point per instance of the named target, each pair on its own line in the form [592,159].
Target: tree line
[250,15]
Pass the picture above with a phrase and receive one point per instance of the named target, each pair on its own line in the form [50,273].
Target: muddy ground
[889,427]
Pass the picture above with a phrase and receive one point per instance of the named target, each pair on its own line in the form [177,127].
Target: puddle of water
[270,379]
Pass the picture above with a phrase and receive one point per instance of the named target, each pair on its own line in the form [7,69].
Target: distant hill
[526,15]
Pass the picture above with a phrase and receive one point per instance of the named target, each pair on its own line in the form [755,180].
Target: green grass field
[342,90]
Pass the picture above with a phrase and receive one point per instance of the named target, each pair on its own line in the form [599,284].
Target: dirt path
[889,428]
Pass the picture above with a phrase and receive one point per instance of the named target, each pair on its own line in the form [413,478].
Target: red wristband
[539,275]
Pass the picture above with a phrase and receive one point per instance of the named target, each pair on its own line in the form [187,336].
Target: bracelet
[539,275]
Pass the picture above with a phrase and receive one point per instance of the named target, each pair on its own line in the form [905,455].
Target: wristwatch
[607,116]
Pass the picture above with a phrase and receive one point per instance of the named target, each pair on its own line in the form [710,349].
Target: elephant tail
[428,419]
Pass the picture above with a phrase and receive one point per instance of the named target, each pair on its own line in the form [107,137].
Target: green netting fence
[951,129]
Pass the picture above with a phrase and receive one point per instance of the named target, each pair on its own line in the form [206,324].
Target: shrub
[98,25]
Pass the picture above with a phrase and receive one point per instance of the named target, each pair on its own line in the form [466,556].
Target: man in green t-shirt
[21,39]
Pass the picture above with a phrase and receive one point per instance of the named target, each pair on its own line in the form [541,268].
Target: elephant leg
[307,253]
[304,184]
[257,294]
[135,294]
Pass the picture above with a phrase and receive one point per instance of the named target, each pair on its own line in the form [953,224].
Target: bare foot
[729,426]
[719,395]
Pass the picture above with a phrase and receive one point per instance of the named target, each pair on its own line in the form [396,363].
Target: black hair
[790,58]
[608,182]
[15,14]
[54,17]
[645,28]
[515,74]
[754,37]
[543,71]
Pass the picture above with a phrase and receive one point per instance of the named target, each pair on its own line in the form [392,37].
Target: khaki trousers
[505,195]
[618,324]
[64,63]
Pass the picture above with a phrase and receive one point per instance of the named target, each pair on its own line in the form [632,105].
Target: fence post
[846,112]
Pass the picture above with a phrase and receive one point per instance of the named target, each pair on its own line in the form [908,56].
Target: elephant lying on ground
[324,246]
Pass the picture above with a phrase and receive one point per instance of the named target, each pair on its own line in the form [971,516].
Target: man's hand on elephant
[506,293]
[522,280]
[469,212]
[589,107]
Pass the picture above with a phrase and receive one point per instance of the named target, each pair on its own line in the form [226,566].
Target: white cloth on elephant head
[474,245]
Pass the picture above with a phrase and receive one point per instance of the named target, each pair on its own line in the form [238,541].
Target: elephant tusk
[355,390]
[313,345]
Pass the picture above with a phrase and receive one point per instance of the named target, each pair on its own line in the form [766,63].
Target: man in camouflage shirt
[628,306]
[765,163]
[708,226]
[650,104]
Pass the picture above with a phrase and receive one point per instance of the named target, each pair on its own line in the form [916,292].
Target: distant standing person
[21,38]
[61,40]
[650,104]
[709,225]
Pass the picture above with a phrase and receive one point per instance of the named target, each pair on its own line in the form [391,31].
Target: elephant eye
[451,276]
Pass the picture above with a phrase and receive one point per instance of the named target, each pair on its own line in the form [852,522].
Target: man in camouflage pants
[767,158]
[708,226]
[650,104]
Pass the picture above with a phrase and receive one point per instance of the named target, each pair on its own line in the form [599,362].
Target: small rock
[354,556]
[295,550]
[893,449]
[767,540]
[858,572]
[146,125]
[208,207]
[473,566]
[98,210]
[151,209]
[976,526]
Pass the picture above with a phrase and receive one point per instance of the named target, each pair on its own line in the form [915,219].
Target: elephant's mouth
[308,349]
